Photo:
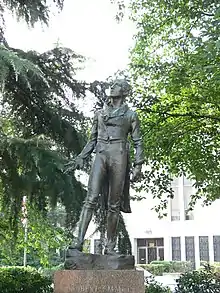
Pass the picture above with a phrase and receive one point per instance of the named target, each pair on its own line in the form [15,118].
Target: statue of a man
[111,168]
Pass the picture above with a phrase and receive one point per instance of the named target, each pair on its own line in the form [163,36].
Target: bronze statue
[111,168]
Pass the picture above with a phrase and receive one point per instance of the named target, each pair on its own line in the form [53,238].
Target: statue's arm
[137,140]
[89,147]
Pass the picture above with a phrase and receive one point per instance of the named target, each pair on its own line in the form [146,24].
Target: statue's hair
[125,86]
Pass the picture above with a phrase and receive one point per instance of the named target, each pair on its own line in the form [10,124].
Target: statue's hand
[74,164]
[79,163]
[136,173]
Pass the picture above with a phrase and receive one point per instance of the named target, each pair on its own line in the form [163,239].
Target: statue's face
[116,90]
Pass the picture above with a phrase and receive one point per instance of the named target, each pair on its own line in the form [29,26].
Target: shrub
[23,280]
[201,281]
[157,268]
[154,287]
[181,266]
[167,265]
[49,272]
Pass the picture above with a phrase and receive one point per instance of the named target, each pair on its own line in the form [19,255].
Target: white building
[193,236]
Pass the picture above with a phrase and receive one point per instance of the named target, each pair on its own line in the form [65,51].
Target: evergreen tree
[41,127]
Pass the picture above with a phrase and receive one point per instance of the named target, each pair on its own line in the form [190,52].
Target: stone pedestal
[99,281]
[76,260]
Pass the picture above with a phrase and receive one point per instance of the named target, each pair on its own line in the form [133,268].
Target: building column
[134,249]
[181,198]
[169,211]
[183,248]
[167,248]
[197,254]
[211,249]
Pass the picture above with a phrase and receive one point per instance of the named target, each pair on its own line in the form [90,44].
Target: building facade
[181,236]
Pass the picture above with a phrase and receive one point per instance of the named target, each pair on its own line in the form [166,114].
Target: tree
[41,129]
[43,238]
[175,65]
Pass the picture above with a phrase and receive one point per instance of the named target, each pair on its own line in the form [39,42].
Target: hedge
[157,268]
[23,280]
[200,281]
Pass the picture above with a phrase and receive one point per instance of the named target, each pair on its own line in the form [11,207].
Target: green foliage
[214,266]
[25,280]
[154,287]
[31,11]
[165,265]
[174,266]
[157,268]
[49,272]
[10,60]
[175,65]
[120,9]
[124,243]
[41,127]
[199,282]
[43,238]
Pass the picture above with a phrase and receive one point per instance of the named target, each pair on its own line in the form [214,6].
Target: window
[159,242]
[176,248]
[189,215]
[204,248]
[175,215]
[142,255]
[155,242]
[175,205]
[190,249]
[187,192]
[142,242]
[216,244]
[150,249]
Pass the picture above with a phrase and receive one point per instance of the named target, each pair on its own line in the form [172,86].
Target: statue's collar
[109,111]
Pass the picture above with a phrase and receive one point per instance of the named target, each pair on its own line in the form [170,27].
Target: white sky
[88,27]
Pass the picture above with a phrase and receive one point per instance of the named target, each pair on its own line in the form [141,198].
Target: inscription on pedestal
[99,281]
[105,288]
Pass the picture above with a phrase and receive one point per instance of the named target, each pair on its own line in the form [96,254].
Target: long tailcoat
[111,125]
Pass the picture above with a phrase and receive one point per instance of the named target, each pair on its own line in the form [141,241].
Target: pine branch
[30,167]
[32,11]
[10,61]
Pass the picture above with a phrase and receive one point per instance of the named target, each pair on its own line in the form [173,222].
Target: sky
[88,27]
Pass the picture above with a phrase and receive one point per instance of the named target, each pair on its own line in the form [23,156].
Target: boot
[85,218]
[112,223]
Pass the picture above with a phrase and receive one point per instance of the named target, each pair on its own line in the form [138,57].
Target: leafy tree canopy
[175,66]
[43,237]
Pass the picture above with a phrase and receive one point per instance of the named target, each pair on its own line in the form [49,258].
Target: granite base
[99,281]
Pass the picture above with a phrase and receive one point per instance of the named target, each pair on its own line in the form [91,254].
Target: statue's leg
[95,180]
[117,171]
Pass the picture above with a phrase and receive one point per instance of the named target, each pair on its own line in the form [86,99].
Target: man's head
[119,88]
